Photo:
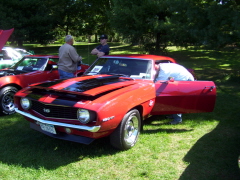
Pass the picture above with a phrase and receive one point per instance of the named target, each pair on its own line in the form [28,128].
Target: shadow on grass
[22,146]
[170,130]
[158,121]
[215,155]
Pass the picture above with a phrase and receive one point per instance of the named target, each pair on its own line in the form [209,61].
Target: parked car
[30,69]
[23,52]
[8,57]
[113,98]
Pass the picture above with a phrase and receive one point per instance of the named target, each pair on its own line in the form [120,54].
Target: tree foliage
[152,23]
[178,22]
[30,18]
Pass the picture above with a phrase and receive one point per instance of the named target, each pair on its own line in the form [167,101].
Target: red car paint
[116,104]
[23,73]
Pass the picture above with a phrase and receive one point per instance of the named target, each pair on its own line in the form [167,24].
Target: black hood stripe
[89,84]
[50,83]
[85,85]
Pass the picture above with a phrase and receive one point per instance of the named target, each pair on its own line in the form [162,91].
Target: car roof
[46,56]
[7,47]
[143,56]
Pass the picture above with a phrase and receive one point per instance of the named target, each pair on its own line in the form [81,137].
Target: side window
[1,55]
[51,62]
[6,56]
[54,60]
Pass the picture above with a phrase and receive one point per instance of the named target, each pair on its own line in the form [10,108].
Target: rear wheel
[6,100]
[126,134]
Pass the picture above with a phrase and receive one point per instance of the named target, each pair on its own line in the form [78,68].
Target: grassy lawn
[205,146]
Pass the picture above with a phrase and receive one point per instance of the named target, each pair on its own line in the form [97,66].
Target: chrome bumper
[86,128]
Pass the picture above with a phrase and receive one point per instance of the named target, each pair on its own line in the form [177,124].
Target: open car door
[4,35]
[173,97]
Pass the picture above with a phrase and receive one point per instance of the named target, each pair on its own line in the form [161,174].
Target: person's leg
[65,75]
[177,118]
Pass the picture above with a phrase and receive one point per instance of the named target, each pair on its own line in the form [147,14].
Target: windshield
[134,68]
[30,64]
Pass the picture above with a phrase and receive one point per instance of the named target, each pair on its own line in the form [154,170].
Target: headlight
[83,116]
[25,103]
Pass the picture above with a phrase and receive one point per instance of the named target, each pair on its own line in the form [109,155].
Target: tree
[95,19]
[179,22]
[30,18]
[213,22]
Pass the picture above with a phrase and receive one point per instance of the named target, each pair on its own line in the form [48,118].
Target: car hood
[10,72]
[4,35]
[87,86]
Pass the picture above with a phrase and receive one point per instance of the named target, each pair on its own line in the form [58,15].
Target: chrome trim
[86,128]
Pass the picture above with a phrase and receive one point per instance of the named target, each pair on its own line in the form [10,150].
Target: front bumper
[80,127]
[64,136]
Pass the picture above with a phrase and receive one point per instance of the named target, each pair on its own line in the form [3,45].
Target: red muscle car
[113,98]
[30,69]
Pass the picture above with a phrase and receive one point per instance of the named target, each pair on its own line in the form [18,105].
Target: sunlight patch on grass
[225,65]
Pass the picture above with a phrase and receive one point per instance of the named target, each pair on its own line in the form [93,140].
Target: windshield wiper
[117,74]
[89,73]
[123,75]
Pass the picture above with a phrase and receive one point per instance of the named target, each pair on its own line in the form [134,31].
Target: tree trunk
[158,41]
[20,43]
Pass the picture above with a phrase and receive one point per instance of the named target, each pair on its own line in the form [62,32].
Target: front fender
[119,102]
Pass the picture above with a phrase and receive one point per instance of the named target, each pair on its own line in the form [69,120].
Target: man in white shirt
[166,71]
[178,72]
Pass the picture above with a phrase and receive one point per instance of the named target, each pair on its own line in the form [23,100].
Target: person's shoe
[175,122]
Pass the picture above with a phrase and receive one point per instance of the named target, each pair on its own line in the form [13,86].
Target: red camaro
[113,98]
[30,69]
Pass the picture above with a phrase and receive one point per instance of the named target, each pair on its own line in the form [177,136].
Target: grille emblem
[46,110]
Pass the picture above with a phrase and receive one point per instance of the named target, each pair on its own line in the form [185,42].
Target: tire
[6,100]
[126,134]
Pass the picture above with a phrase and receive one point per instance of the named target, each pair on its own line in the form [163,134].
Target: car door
[40,76]
[174,97]
[48,74]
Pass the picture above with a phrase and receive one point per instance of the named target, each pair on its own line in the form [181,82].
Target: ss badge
[46,110]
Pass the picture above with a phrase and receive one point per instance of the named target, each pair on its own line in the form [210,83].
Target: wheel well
[13,85]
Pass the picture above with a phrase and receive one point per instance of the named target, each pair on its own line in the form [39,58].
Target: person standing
[167,71]
[103,48]
[69,59]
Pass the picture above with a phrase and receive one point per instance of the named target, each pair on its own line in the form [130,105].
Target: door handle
[209,87]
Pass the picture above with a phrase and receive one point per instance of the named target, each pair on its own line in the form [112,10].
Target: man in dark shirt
[103,48]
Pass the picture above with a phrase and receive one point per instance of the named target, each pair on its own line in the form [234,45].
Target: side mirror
[54,66]
[171,79]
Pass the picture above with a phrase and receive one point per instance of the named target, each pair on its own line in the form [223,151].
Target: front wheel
[126,134]
[6,100]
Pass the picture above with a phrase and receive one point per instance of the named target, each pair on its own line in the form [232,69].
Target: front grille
[55,111]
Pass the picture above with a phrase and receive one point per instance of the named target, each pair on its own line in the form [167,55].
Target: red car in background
[30,69]
[113,98]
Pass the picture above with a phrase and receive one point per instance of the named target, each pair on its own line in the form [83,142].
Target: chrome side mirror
[54,66]
[171,79]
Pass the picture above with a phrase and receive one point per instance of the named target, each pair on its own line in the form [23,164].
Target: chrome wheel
[131,130]
[126,134]
[7,100]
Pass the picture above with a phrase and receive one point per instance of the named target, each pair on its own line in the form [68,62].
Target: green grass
[205,146]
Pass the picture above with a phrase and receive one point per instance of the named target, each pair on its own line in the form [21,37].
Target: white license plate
[47,127]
